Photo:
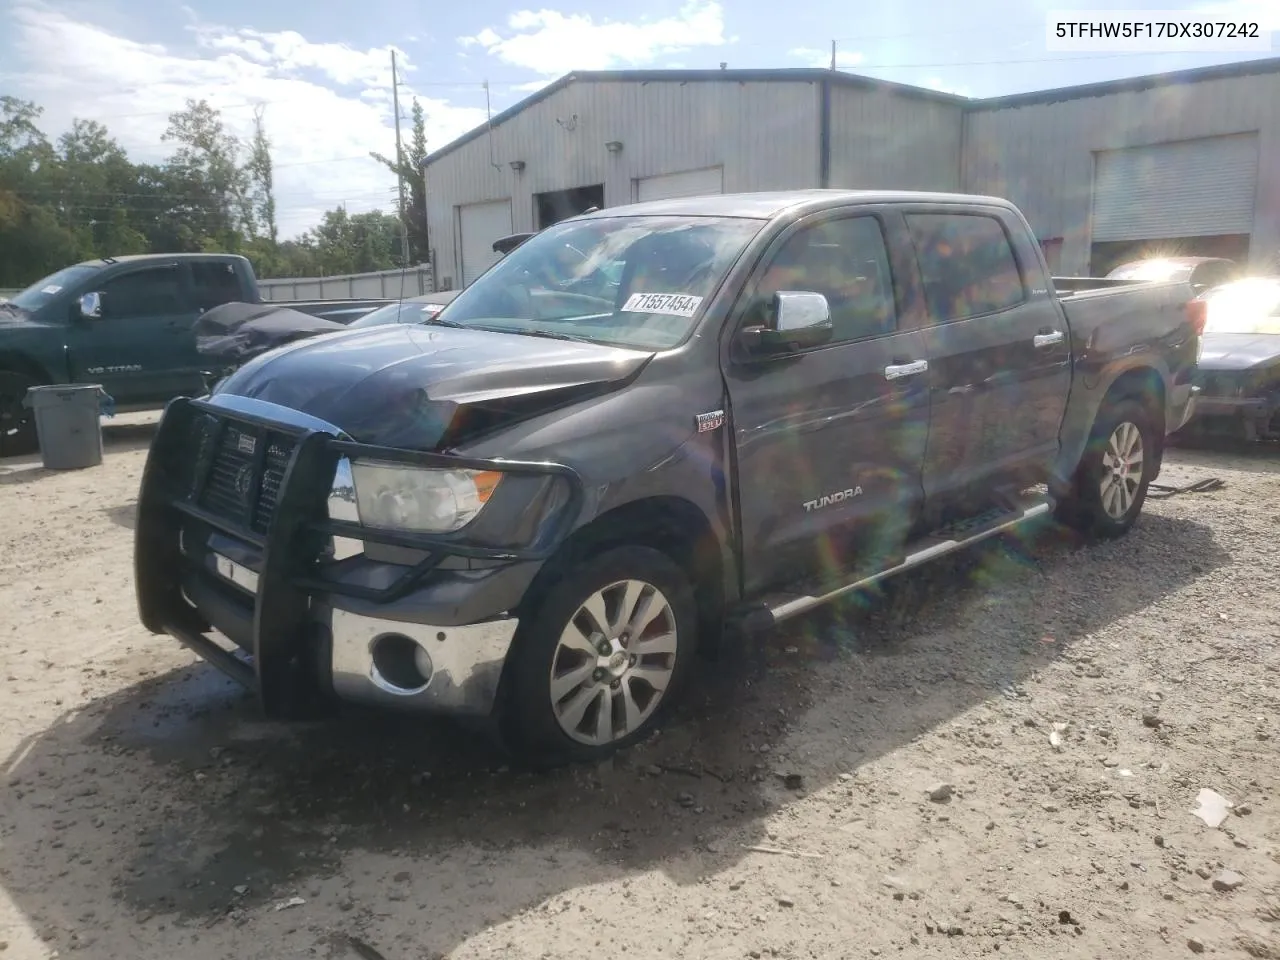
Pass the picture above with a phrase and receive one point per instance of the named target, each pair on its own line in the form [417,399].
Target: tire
[1109,493]
[17,423]
[553,712]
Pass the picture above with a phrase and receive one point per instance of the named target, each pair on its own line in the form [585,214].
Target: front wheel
[17,423]
[1118,466]
[601,658]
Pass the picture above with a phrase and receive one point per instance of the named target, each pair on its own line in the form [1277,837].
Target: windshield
[42,291]
[628,281]
[1247,306]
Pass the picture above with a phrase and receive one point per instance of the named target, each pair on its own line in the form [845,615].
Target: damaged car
[1238,374]
[644,431]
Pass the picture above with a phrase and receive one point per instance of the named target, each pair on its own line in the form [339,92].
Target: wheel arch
[672,525]
[17,362]
[1143,384]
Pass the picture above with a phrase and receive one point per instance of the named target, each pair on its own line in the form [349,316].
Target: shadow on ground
[168,796]
[116,438]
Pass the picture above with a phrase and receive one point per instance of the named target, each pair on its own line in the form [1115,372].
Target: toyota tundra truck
[646,433]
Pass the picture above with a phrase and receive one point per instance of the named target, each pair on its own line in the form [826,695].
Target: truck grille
[242,477]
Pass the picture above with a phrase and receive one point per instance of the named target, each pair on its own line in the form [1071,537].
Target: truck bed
[1104,313]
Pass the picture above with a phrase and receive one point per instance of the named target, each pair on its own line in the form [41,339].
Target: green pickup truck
[125,323]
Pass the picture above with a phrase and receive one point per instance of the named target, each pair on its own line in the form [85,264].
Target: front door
[829,447]
[999,354]
[141,348]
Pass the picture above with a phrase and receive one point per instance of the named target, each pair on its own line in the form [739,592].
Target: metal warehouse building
[1186,161]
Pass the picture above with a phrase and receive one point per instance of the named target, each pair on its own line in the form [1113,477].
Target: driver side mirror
[91,306]
[799,320]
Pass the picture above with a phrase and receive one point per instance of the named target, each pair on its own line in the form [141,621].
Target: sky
[321,70]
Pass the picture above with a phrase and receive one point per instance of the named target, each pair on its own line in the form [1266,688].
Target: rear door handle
[896,371]
[1047,339]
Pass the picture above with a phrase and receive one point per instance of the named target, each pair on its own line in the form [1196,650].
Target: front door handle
[1047,339]
[896,371]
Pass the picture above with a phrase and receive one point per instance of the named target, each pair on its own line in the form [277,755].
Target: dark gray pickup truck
[646,425]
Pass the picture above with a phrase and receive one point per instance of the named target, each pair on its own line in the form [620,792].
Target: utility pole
[833,54]
[404,226]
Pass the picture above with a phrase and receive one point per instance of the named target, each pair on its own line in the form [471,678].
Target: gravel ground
[1002,754]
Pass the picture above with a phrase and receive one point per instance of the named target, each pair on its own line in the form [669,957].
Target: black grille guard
[296,538]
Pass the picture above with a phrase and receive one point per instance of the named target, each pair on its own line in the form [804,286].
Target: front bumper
[262,568]
[1249,399]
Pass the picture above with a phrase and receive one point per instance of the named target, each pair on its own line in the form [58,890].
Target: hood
[429,387]
[1238,351]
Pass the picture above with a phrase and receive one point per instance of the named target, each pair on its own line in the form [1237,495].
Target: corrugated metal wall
[765,134]
[1041,155]
[885,141]
[392,284]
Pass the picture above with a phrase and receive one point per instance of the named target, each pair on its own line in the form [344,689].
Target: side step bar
[947,540]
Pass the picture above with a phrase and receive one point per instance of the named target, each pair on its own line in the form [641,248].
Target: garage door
[688,183]
[1194,188]
[480,224]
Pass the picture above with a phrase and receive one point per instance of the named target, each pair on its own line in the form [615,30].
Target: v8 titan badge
[709,421]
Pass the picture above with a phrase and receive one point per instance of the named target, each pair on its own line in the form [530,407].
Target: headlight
[392,496]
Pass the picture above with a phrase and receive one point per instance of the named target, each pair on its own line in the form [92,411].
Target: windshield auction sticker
[671,304]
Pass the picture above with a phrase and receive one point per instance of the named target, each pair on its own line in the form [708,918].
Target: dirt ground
[1063,704]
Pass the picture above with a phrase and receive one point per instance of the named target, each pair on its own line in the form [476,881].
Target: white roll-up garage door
[1193,188]
[480,224]
[687,183]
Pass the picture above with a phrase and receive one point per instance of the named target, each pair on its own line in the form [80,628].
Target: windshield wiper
[435,321]
[549,335]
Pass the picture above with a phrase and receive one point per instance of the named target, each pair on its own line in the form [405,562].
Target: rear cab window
[214,282]
[967,264]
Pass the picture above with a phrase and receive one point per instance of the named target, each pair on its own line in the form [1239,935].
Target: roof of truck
[766,205]
[132,257]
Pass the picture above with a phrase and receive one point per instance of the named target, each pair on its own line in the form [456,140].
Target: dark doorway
[1105,257]
[556,205]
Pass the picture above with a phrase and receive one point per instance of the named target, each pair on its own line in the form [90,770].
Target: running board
[948,539]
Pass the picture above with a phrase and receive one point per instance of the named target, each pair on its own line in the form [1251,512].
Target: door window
[215,283]
[967,264]
[846,261]
[153,292]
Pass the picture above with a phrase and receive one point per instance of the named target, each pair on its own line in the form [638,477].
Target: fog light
[400,664]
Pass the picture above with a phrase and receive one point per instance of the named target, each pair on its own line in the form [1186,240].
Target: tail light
[1198,315]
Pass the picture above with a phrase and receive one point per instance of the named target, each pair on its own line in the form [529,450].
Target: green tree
[31,233]
[409,166]
[209,188]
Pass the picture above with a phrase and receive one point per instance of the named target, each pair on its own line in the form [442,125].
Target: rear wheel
[1118,465]
[17,423]
[602,658]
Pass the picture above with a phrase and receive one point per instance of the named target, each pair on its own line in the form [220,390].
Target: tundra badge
[840,496]
[709,421]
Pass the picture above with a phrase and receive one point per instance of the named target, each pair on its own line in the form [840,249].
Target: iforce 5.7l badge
[709,421]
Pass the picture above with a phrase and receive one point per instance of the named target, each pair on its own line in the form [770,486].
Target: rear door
[998,350]
[141,349]
[829,445]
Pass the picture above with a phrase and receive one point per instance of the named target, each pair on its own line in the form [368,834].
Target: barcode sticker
[671,304]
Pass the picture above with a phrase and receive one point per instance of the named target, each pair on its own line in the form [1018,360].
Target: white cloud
[937,83]
[813,57]
[549,42]
[327,104]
